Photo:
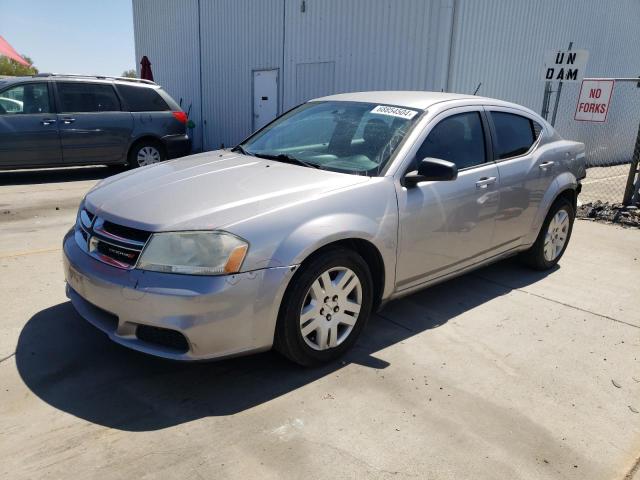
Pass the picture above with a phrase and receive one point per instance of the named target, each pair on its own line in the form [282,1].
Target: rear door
[28,127]
[93,129]
[525,176]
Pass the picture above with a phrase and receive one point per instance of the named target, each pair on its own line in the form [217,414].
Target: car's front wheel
[325,307]
[553,238]
[144,153]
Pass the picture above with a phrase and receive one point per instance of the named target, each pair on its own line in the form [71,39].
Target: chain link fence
[609,145]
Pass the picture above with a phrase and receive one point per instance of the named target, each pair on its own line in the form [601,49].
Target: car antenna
[478,88]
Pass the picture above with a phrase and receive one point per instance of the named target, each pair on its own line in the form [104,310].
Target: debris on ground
[616,384]
[633,409]
[628,216]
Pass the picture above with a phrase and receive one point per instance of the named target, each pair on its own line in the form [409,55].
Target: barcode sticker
[394,111]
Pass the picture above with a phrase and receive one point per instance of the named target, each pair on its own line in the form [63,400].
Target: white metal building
[238,63]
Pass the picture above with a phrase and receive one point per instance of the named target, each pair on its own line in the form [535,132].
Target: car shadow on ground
[75,368]
[56,175]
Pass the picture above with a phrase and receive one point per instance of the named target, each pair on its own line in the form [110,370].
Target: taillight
[180,116]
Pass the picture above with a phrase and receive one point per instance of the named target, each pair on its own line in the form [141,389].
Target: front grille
[163,336]
[108,242]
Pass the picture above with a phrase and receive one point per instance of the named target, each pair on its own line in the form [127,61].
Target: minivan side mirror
[431,169]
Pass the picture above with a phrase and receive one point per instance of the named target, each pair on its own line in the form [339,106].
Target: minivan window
[25,99]
[515,134]
[87,97]
[141,99]
[458,139]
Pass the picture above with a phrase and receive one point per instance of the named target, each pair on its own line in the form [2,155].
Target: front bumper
[177,145]
[218,316]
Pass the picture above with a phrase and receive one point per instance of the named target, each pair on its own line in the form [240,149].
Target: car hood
[208,190]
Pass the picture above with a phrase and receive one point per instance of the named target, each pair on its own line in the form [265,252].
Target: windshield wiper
[240,148]
[286,159]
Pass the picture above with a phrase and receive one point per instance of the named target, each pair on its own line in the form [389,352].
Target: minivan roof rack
[99,77]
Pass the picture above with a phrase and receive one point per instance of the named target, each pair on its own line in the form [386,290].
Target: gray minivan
[52,120]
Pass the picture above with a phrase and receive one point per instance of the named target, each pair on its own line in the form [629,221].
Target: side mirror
[431,169]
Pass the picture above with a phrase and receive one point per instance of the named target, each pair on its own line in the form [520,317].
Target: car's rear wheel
[325,308]
[146,152]
[553,238]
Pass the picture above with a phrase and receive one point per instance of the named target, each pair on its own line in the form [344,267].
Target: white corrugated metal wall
[330,46]
[364,44]
[238,37]
[166,32]
[502,44]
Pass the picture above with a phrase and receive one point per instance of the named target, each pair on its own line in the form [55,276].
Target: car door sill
[461,271]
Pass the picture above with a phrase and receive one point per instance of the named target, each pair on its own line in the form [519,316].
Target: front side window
[25,99]
[515,134]
[142,99]
[458,139]
[348,137]
[76,97]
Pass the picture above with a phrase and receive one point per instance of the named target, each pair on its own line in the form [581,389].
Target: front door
[28,127]
[265,97]
[92,127]
[448,225]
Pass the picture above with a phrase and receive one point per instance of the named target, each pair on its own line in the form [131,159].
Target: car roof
[409,99]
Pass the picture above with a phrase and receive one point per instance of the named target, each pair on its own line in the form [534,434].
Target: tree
[15,69]
[130,73]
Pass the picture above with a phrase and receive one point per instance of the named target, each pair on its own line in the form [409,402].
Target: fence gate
[612,146]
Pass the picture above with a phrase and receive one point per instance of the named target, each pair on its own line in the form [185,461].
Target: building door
[265,97]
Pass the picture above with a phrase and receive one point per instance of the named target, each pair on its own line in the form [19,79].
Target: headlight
[196,253]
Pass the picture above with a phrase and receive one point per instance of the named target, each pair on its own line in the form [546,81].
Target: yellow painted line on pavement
[30,252]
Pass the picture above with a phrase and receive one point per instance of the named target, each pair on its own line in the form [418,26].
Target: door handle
[545,165]
[484,182]
[68,120]
[48,121]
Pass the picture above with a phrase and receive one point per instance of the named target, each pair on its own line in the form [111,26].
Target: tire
[331,324]
[561,229]
[145,152]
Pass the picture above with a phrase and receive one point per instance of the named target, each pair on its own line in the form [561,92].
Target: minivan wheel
[325,307]
[146,153]
[553,238]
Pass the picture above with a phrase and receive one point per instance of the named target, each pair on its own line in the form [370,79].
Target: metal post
[555,108]
[633,170]
[545,100]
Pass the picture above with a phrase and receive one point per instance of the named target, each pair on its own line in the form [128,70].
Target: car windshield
[348,137]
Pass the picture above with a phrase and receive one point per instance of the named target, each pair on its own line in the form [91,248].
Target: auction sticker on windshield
[394,111]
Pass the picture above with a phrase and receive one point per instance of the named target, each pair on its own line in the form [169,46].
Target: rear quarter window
[141,99]
[515,134]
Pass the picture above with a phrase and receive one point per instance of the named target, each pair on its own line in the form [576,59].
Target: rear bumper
[177,145]
[218,316]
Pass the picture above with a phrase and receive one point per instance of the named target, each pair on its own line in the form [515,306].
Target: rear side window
[142,99]
[87,97]
[515,134]
[458,139]
[25,99]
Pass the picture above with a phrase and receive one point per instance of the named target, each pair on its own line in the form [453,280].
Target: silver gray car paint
[286,212]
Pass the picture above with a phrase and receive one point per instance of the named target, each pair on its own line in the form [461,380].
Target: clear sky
[71,36]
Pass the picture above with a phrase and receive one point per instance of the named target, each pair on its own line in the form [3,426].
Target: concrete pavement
[503,373]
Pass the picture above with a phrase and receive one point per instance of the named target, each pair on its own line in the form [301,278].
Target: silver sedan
[295,236]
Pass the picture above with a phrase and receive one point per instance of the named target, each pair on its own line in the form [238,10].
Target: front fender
[287,236]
